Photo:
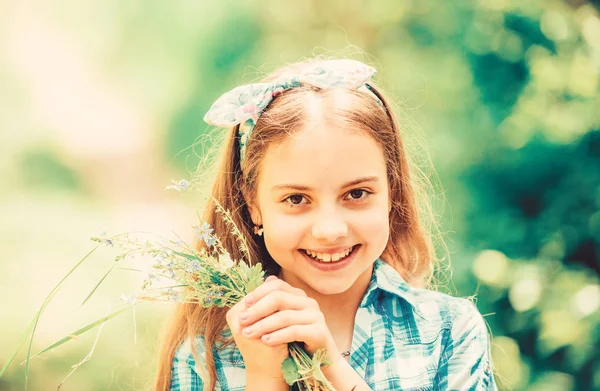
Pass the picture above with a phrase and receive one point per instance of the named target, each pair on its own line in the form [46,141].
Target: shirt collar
[387,279]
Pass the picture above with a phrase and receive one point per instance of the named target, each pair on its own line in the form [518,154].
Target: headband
[244,104]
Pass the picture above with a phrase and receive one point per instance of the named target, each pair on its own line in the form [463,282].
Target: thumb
[232,317]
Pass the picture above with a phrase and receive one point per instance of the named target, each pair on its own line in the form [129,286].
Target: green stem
[33,325]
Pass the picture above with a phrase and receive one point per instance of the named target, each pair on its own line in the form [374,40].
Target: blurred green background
[101,100]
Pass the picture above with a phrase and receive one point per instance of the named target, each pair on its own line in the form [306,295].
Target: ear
[255,213]
[253,209]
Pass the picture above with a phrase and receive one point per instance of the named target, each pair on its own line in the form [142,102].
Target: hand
[277,313]
[261,360]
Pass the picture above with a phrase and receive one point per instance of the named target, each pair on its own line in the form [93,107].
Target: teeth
[329,257]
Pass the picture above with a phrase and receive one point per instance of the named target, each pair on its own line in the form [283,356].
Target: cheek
[284,232]
[374,225]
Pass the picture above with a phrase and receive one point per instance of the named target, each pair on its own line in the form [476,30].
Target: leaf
[255,277]
[244,270]
[21,342]
[185,255]
[33,325]
[130,269]
[82,330]
[320,358]
[216,278]
[99,282]
[290,371]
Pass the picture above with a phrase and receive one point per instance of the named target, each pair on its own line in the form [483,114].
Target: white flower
[225,261]
[180,186]
[129,299]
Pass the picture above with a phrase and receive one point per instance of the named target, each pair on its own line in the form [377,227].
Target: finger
[271,284]
[233,317]
[295,333]
[278,321]
[271,303]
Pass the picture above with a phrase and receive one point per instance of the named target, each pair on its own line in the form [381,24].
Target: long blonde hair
[409,249]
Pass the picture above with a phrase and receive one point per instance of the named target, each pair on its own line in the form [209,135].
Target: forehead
[322,156]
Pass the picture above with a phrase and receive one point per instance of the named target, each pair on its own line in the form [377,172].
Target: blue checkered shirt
[405,338]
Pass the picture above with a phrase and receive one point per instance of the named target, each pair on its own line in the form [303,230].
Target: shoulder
[426,306]
[458,319]
[458,314]
[434,306]
[187,373]
[421,315]
[185,351]
[191,370]
[464,342]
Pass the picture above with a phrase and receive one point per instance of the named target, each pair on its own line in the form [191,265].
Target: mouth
[328,258]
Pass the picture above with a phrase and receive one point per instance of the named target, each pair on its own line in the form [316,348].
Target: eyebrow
[308,188]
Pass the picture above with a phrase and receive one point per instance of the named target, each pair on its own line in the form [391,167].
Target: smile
[331,257]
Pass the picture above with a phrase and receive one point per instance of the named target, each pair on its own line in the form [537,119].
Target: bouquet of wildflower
[207,276]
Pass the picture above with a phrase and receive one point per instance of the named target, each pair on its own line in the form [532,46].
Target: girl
[316,177]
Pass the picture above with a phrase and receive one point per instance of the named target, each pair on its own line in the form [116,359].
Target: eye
[295,199]
[358,194]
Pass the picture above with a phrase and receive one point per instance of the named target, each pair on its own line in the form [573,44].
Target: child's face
[310,199]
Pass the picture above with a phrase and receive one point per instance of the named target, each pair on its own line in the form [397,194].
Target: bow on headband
[244,104]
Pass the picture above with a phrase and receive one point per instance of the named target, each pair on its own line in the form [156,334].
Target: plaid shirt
[405,338]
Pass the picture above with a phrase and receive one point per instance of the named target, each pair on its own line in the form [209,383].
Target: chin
[332,289]
[329,286]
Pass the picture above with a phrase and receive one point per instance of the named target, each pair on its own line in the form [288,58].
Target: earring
[258,230]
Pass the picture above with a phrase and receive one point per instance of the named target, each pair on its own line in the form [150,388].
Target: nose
[329,226]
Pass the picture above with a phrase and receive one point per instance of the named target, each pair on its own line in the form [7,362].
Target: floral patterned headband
[244,104]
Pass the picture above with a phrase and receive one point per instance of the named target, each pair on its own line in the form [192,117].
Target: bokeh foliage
[505,93]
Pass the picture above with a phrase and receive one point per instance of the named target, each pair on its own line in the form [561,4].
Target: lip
[332,266]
